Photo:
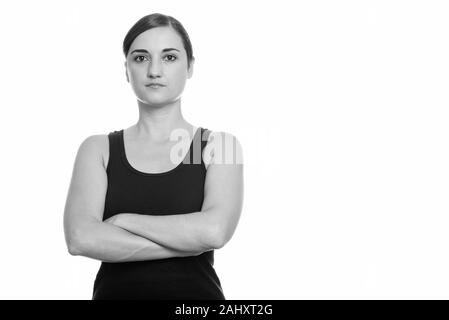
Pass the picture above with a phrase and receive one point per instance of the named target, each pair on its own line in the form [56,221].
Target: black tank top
[177,191]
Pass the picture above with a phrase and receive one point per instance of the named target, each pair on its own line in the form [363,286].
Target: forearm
[110,243]
[185,232]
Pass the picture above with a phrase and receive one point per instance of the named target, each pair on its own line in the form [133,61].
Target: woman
[152,219]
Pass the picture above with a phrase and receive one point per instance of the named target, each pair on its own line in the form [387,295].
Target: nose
[154,69]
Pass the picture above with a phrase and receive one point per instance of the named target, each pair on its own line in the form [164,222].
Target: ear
[190,71]
[126,72]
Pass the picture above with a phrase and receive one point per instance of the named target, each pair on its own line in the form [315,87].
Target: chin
[154,102]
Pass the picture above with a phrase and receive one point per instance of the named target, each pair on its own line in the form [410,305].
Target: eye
[170,55]
[137,58]
[173,58]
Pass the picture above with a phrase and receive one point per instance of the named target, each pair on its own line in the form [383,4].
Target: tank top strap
[114,150]
[204,139]
[199,142]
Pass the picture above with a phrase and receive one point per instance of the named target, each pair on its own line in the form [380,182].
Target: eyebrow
[145,51]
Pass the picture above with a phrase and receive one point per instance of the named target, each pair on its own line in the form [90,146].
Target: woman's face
[158,55]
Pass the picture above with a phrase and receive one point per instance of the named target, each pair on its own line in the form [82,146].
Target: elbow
[78,238]
[217,238]
[74,246]
[73,249]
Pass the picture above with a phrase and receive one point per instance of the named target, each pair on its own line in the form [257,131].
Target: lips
[155,84]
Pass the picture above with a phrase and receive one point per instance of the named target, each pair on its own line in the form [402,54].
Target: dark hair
[158,20]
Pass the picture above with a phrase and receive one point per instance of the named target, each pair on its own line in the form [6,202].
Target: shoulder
[222,137]
[223,147]
[96,145]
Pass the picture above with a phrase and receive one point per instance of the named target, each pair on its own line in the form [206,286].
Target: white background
[341,108]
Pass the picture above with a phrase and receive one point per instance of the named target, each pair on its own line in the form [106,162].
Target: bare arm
[113,244]
[185,232]
[85,232]
[214,225]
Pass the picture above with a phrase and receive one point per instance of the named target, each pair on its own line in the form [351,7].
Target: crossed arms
[133,237]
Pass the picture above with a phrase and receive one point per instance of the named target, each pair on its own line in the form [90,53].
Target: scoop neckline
[128,164]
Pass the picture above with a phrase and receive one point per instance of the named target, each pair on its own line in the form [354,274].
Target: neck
[156,123]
